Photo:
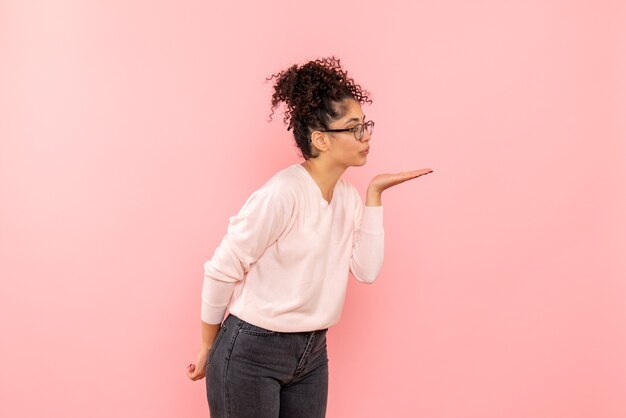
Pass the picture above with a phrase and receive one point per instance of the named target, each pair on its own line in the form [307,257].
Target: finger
[417,173]
[422,171]
[408,175]
[195,375]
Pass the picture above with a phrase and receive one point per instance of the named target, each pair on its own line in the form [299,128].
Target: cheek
[348,151]
[351,148]
[348,154]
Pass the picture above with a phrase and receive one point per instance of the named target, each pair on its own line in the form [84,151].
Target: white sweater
[283,263]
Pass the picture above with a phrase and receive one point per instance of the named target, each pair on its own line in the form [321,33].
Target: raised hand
[384,181]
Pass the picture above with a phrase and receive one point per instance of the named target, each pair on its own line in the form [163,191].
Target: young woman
[282,268]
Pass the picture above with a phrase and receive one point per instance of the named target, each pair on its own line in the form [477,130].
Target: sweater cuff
[372,220]
[211,315]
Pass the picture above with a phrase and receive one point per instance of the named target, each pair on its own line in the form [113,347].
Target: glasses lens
[358,133]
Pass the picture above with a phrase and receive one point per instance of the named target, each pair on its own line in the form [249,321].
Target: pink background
[131,131]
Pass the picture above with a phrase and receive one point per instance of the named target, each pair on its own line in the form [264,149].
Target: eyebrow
[355,119]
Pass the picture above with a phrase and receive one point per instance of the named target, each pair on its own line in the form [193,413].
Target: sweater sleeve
[259,223]
[368,247]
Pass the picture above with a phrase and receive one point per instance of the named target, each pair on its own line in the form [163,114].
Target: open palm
[384,181]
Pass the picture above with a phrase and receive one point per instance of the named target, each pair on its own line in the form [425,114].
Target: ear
[319,140]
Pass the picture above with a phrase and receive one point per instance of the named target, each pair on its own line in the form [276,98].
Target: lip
[366,151]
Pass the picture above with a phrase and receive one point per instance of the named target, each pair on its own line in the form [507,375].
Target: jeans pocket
[251,329]
[218,338]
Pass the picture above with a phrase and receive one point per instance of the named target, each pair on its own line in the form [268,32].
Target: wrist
[374,197]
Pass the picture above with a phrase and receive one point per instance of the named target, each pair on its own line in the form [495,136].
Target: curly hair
[313,94]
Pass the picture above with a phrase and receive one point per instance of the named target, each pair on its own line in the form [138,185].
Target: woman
[282,268]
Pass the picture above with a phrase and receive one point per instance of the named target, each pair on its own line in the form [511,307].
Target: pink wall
[131,131]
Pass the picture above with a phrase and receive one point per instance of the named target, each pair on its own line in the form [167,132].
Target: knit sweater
[283,263]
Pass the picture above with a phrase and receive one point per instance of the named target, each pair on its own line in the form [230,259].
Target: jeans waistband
[258,328]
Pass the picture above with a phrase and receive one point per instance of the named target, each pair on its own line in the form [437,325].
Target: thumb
[191,369]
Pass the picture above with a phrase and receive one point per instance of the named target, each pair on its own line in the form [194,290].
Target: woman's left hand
[384,181]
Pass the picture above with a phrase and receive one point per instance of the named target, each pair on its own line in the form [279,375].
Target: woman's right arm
[258,224]
[209,332]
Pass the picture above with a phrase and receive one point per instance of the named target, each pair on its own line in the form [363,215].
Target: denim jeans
[253,372]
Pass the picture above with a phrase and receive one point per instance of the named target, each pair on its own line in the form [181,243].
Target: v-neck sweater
[285,259]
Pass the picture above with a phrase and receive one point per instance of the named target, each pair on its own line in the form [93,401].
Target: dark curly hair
[313,94]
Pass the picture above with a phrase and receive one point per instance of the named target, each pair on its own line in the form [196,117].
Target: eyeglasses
[358,130]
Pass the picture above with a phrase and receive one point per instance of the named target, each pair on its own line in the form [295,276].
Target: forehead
[352,110]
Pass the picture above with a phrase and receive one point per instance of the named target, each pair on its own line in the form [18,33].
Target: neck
[326,175]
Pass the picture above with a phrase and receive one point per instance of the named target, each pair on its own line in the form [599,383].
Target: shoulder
[280,187]
[286,181]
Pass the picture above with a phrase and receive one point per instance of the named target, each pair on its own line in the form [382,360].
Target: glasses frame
[361,127]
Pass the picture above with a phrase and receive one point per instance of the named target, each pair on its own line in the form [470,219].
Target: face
[342,147]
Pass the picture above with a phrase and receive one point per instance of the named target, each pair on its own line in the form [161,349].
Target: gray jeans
[253,372]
